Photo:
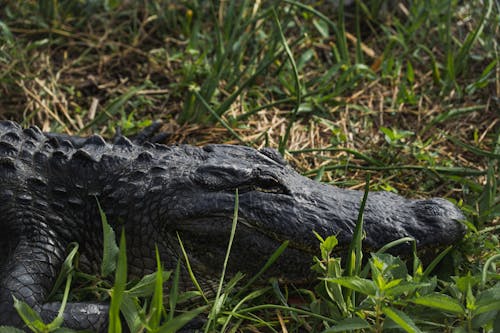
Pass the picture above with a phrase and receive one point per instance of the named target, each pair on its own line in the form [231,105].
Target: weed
[406,92]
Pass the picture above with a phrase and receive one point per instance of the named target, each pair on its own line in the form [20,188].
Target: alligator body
[49,185]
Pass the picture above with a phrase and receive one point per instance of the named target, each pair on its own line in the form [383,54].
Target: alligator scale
[48,189]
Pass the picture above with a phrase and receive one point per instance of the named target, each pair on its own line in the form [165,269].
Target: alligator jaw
[268,218]
[250,250]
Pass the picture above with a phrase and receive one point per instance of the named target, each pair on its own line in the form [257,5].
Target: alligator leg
[28,275]
[149,134]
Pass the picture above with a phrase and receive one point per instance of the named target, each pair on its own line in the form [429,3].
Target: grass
[405,92]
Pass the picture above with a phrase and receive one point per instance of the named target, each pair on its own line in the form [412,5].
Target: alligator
[51,184]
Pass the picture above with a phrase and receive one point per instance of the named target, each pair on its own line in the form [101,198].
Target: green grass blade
[218,299]
[486,267]
[341,34]
[276,254]
[357,16]
[473,149]
[181,320]
[10,329]
[355,254]
[287,308]
[394,243]
[146,285]
[343,56]
[353,152]
[355,251]
[156,308]
[219,46]
[470,40]
[349,325]
[190,270]
[458,171]
[30,317]
[298,86]
[436,261]
[118,290]
[452,114]
[5,33]
[130,310]
[66,269]
[234,311]
[110,249]
[216,116]
[174,291]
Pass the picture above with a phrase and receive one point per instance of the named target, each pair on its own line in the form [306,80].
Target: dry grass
[401,90]
[67,74]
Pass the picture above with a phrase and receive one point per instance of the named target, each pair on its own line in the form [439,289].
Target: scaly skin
[49,185]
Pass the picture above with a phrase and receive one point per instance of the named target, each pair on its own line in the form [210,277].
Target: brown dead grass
[64,84]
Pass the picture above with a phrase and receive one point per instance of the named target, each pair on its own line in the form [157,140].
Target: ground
[405,91]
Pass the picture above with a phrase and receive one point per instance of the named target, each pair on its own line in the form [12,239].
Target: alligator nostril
[432,209]
[438,208]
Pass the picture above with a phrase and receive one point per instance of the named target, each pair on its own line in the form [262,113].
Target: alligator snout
[437,208]
[439,221]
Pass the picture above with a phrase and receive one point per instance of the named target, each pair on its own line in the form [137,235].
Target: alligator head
[277,204]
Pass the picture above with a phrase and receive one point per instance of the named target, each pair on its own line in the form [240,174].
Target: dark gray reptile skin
[49,185]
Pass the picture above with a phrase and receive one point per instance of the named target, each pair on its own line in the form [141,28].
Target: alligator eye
[264,185]
[230,177]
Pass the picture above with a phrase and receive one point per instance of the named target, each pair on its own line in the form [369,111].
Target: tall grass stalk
[298,86]
[218,301]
